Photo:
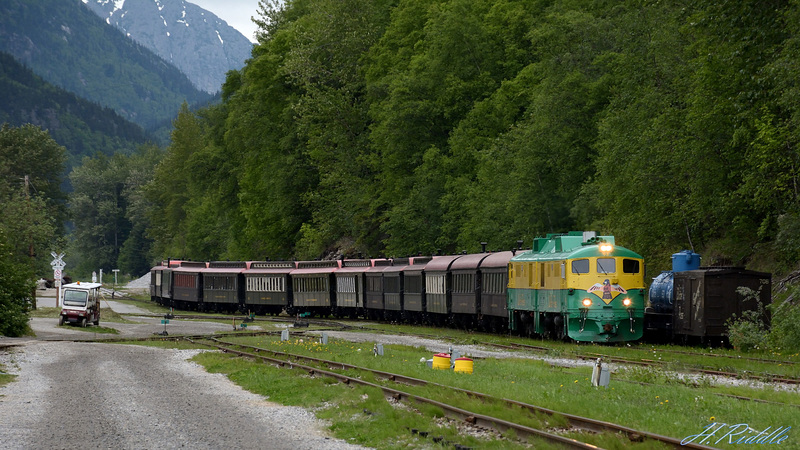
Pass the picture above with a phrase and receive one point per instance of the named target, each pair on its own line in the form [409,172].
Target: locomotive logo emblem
[607,291]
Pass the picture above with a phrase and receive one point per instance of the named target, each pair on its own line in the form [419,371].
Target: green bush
[16,284]
[749,332]
[785,334]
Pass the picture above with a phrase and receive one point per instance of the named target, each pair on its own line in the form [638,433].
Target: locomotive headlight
[626,302]
[606,248]
[587,303]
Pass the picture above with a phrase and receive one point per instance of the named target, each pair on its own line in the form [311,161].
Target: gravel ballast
[88,395]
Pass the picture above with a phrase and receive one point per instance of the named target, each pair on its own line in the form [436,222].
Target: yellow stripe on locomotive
[577,285]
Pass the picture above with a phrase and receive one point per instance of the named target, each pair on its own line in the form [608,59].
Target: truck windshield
[75,298]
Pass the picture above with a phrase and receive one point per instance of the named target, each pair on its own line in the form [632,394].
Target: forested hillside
[69,46]
[84,128]
[404,126]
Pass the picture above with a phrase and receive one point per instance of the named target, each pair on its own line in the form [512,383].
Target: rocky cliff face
[200,44]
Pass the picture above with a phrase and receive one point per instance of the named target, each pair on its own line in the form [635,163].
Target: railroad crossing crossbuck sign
[58,265]
[58,262]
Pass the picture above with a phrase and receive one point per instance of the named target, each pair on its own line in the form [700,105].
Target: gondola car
[577,285]
[268,287]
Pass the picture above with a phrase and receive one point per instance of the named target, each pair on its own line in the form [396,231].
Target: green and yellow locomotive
[577,285]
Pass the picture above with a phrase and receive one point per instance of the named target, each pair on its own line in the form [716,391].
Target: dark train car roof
[398,265]
[357,265]
[419,263]
[273,267]
[312,267]
[225,267]
[380,266]
[496,260]
[191,267]
[469,262]
[441,263]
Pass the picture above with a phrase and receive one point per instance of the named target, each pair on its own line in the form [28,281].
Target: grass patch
[106,315]
[360,415]
[6,378]
[663,406]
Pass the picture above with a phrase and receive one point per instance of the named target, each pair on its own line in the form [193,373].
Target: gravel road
[87,395]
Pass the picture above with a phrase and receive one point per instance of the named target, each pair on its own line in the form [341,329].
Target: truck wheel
[60,320]
[83,322]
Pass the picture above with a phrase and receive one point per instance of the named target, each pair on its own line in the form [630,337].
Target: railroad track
[767,378]
[714,355]
[471,417]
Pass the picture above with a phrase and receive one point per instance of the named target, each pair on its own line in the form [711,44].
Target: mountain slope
[71,47]
[84,128]
[196,41]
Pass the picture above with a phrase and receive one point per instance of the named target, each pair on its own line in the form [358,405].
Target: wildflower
[712,418]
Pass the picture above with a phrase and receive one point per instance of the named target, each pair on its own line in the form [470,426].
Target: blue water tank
[685,260]
[661,294]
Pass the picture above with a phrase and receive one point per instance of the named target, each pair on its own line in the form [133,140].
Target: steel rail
[767,378]
[574,420]
[681,352]
[469,417]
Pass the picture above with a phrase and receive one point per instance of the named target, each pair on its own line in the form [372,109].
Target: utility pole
[30,241]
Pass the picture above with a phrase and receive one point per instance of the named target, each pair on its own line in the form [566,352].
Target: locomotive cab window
[580,266]
[606,265]
[630,266]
